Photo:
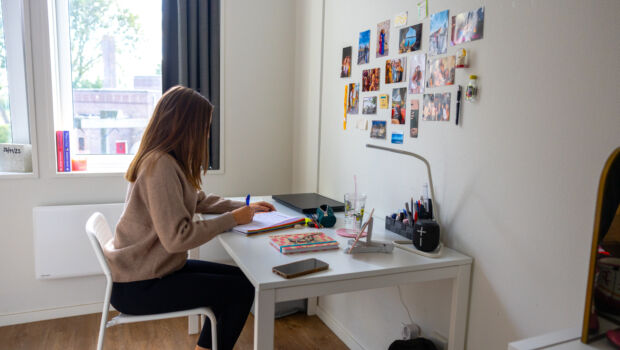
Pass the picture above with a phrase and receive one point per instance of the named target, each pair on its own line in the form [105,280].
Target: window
[109,72]
[14,118]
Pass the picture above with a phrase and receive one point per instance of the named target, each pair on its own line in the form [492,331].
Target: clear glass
[5,110]
[354,210]
[116,56]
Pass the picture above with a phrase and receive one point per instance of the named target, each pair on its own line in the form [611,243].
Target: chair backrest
[99,233]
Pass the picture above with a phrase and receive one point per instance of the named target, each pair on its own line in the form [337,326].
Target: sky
[149,13]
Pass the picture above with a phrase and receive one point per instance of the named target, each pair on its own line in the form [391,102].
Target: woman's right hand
[243,215]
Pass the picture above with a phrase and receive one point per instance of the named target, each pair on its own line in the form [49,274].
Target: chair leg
[102,326]
[213,330]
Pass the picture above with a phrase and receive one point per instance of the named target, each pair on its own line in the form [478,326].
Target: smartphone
[302,267]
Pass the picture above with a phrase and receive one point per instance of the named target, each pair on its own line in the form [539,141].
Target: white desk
[346,273]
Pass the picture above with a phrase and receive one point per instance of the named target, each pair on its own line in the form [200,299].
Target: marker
[458,104]
[247,200]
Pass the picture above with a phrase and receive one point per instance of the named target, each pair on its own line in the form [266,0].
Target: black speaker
[426,235]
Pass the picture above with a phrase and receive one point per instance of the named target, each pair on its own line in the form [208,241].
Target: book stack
[63,154]
[302,242]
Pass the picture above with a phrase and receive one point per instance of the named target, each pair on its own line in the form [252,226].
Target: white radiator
[61,248]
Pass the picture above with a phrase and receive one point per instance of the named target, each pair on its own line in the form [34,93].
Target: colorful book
[302,242]
[60,152]
[66,150]
[269,221]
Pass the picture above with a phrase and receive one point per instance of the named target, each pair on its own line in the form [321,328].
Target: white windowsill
[10,175]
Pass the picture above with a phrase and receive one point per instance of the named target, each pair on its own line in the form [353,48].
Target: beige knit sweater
[156,228]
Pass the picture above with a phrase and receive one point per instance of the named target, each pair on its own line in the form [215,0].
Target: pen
[458,104]
[247,200]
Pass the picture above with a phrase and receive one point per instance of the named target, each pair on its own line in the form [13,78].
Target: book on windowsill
[302,242]
[269,221]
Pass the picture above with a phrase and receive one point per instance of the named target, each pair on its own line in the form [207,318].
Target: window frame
[60,52]
[16,16]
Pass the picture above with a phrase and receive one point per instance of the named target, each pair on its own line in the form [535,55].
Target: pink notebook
[302,242]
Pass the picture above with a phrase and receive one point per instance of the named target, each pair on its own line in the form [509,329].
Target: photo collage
[413,72]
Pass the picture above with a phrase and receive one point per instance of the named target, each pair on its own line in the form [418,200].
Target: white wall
[257,54]
[516,181]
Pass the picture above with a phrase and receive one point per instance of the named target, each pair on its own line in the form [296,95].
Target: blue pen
[247,200]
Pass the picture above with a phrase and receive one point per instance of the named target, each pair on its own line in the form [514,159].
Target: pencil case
[398,227]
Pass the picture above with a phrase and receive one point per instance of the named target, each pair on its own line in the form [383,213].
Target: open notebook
[269,221]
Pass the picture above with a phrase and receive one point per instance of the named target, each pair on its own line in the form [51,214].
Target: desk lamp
[406,244]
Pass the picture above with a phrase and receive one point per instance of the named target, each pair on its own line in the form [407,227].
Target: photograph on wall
[378,129]
[362,124]
[422,7]
[370,79]
[417,68]
[414,116]
[345,71]
[383,38]
[370,105]
[353,100]
[440,71]
[436,107]
[363,53]
[410,38]
[438,39]
[384,100]
[397,137]
[399,98]
[467,26]
[395,70]
[400,19]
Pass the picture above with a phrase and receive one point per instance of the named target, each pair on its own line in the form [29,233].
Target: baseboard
[341,331]
[48,314]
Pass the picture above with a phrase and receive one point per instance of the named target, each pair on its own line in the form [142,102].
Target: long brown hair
[180,127]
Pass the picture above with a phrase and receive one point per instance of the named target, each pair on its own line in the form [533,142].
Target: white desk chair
[99,232]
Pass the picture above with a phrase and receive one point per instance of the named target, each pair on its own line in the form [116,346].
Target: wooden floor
[297,332]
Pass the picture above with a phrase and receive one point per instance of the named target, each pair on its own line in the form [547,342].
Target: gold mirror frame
[595,243]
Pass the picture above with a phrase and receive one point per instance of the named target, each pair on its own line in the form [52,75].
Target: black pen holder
[398,227]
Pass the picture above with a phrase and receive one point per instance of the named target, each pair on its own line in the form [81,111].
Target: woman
[148,254]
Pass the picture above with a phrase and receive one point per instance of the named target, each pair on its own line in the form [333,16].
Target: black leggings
[221,287]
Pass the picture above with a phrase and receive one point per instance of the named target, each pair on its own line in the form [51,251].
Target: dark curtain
[191,55]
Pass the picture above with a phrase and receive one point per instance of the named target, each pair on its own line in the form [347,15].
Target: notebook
[307,203]
[269,221]
[302,242]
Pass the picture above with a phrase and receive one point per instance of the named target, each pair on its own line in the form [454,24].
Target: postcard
[438,39]
[399,98]
[363,53]
[345,71]
[467,26]
[414,116]
[400,19]
[410,38]
[397,137]
[422,9]
[353,100]
[378,129]
[383,38]
[417,68]
[440,71]
[370,79]
[370,105]
[436,107]
[362,124]
[395,70]
[383,101]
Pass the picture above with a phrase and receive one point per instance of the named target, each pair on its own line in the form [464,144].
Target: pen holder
[398,227]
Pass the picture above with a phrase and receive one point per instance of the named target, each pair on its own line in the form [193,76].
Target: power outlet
[441,342]
[410,331]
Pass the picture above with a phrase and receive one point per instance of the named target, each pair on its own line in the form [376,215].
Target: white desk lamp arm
[403,244]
